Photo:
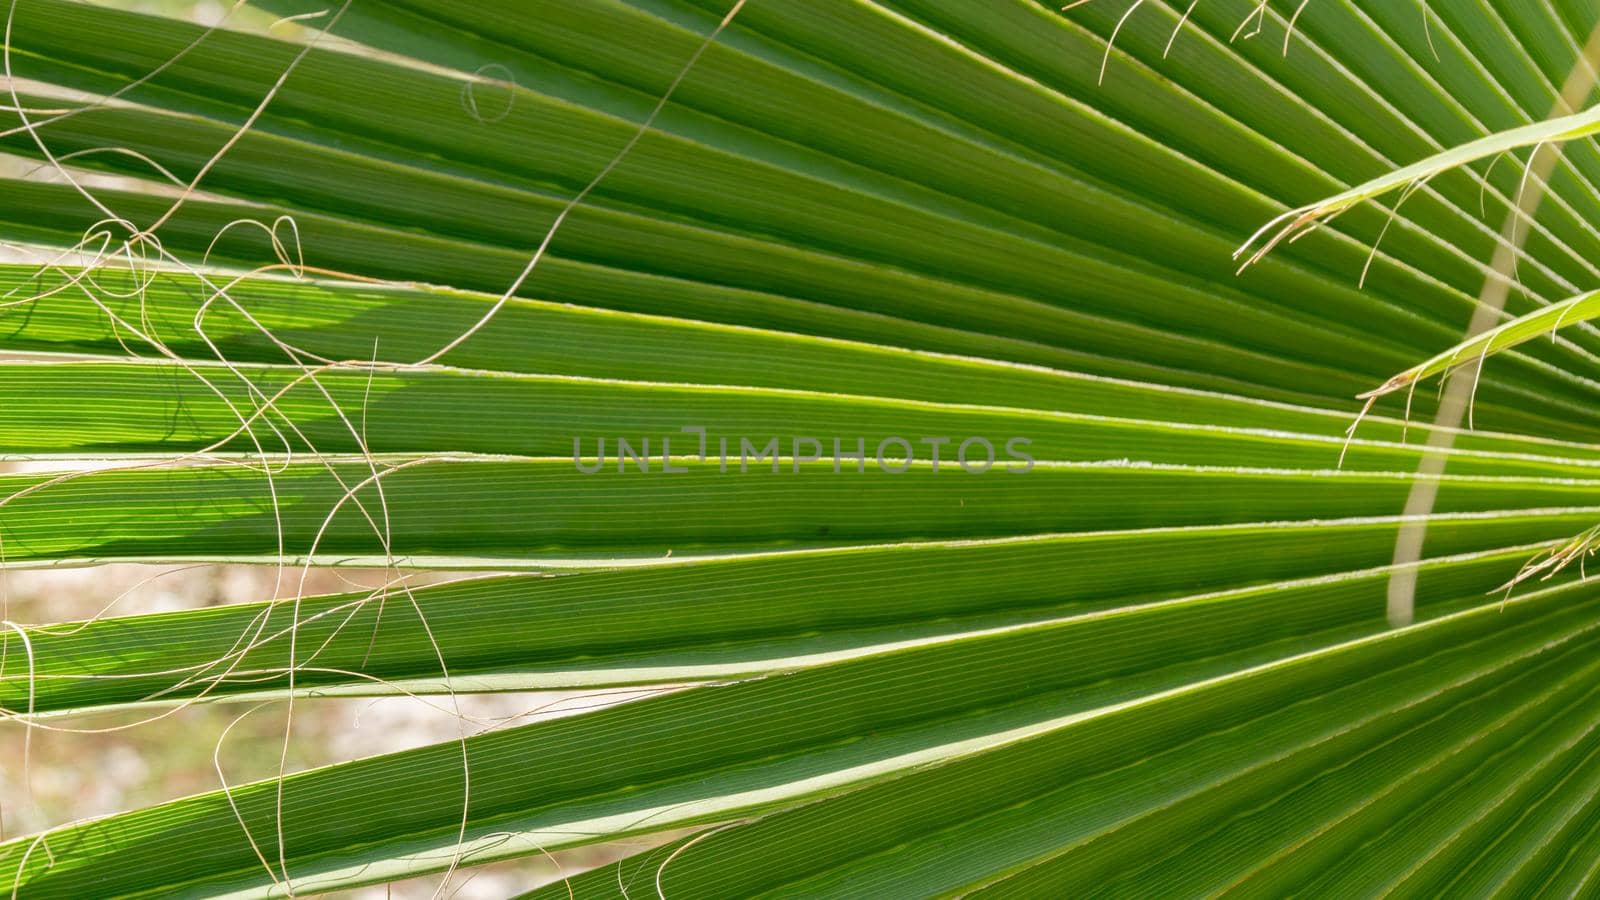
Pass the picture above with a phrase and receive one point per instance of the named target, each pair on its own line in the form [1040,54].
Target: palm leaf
[1156,661]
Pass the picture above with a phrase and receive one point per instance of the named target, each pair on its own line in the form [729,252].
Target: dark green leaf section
[1027,83]
[827,220]
[54,214]
[1362,95]
[878,58]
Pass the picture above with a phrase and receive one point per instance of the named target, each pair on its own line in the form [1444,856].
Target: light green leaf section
[533,511]
[625,380]
[91,409]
